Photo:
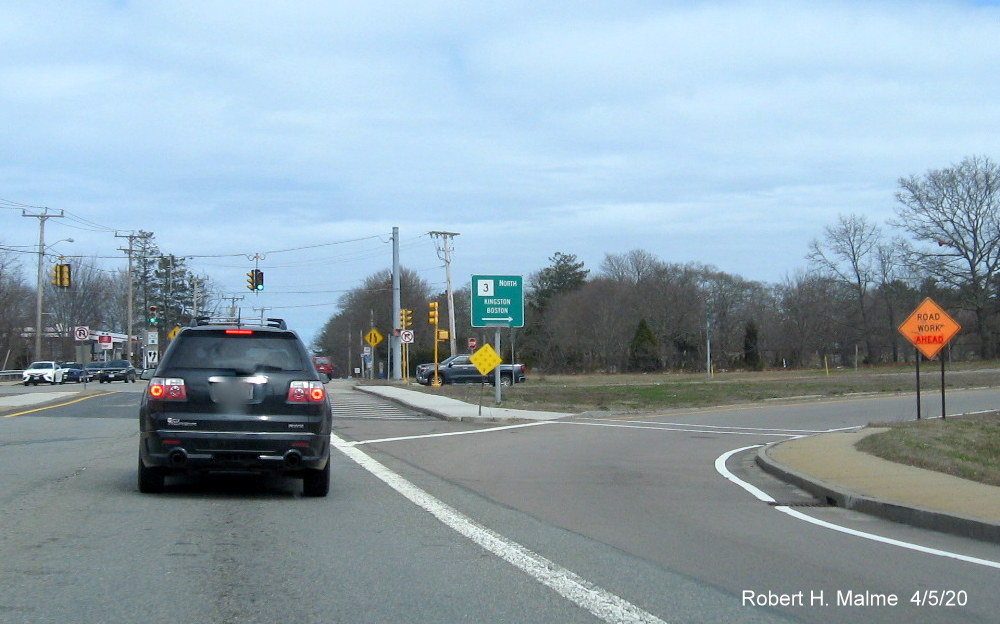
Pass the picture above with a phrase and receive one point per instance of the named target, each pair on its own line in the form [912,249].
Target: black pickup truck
[458,369]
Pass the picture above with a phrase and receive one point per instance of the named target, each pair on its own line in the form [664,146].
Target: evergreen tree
[565,274]
[644,352]
[751,351]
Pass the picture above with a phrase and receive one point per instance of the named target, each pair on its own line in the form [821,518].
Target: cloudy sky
[727,133]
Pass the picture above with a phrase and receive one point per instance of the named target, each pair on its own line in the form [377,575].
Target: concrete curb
[840,496]
[445,408]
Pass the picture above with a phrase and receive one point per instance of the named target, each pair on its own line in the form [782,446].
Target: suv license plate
[231,392]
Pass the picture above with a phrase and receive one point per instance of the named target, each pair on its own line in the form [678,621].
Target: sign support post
[929,328]
[944,414]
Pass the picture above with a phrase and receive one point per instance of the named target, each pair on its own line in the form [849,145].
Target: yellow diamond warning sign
[929,328]
[373,337]
[485,359]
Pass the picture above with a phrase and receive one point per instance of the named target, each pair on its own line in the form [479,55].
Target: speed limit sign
[81,333]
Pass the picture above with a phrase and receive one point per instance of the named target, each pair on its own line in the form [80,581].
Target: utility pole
[41,274]
[195,286]
[232,305]
[395,341]
[444,253]
[128,332]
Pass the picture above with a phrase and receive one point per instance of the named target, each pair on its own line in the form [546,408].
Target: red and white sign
[472,343]
[406,336]
[104,341]
[81,332]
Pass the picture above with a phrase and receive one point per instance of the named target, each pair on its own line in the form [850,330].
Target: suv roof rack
[230,320]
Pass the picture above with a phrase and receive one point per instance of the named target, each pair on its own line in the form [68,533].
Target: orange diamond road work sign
[929,328]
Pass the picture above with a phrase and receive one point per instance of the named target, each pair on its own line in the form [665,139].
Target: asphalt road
[584,520]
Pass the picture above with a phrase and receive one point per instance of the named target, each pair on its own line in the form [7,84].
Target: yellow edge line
[42,409]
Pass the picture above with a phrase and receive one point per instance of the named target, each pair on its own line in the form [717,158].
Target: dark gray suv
[235,397]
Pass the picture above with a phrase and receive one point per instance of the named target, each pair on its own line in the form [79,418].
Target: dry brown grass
[966,446]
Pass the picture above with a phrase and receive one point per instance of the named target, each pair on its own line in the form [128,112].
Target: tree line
[635,312]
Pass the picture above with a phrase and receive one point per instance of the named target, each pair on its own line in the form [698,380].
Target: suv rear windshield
[242,353]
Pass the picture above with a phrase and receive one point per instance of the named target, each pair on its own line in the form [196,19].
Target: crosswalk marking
[362,406]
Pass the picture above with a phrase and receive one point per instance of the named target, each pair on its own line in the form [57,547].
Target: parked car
[94,369]
[117,370]
[46,370]
[236,397]
[75,372]
[459,369]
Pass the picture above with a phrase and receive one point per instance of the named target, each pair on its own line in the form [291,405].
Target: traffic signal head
[432,313]
[405,318]
[260,279]
[153,319]
[61,275]
[252,280]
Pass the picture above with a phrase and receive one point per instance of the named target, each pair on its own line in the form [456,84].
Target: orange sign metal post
[929,328]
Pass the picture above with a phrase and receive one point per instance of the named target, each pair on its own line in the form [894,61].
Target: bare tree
[849,253]
[589,327]
[14,311]
[370,305]
[806,309]
[633,267]
[895,287]
[955,210]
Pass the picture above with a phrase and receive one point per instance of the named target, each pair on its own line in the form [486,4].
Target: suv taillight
[167,389]
[306,392]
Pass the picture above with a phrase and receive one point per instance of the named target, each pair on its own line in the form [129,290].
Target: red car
[324,365]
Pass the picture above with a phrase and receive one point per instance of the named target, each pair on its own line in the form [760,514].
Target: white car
[47,371]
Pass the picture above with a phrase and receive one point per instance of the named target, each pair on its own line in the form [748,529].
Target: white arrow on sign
[509,319]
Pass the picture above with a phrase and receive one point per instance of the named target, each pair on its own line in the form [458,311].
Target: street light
[41,275]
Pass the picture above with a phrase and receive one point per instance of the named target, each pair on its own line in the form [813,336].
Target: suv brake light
[306,392]
[167,389]
[240,332]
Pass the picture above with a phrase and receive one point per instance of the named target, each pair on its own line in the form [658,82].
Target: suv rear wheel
[316,482]
[151,480]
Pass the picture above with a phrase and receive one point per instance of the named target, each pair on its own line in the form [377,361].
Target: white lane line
[720,466]
[596,600]
[597,424]
[675,424]
[441,435]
